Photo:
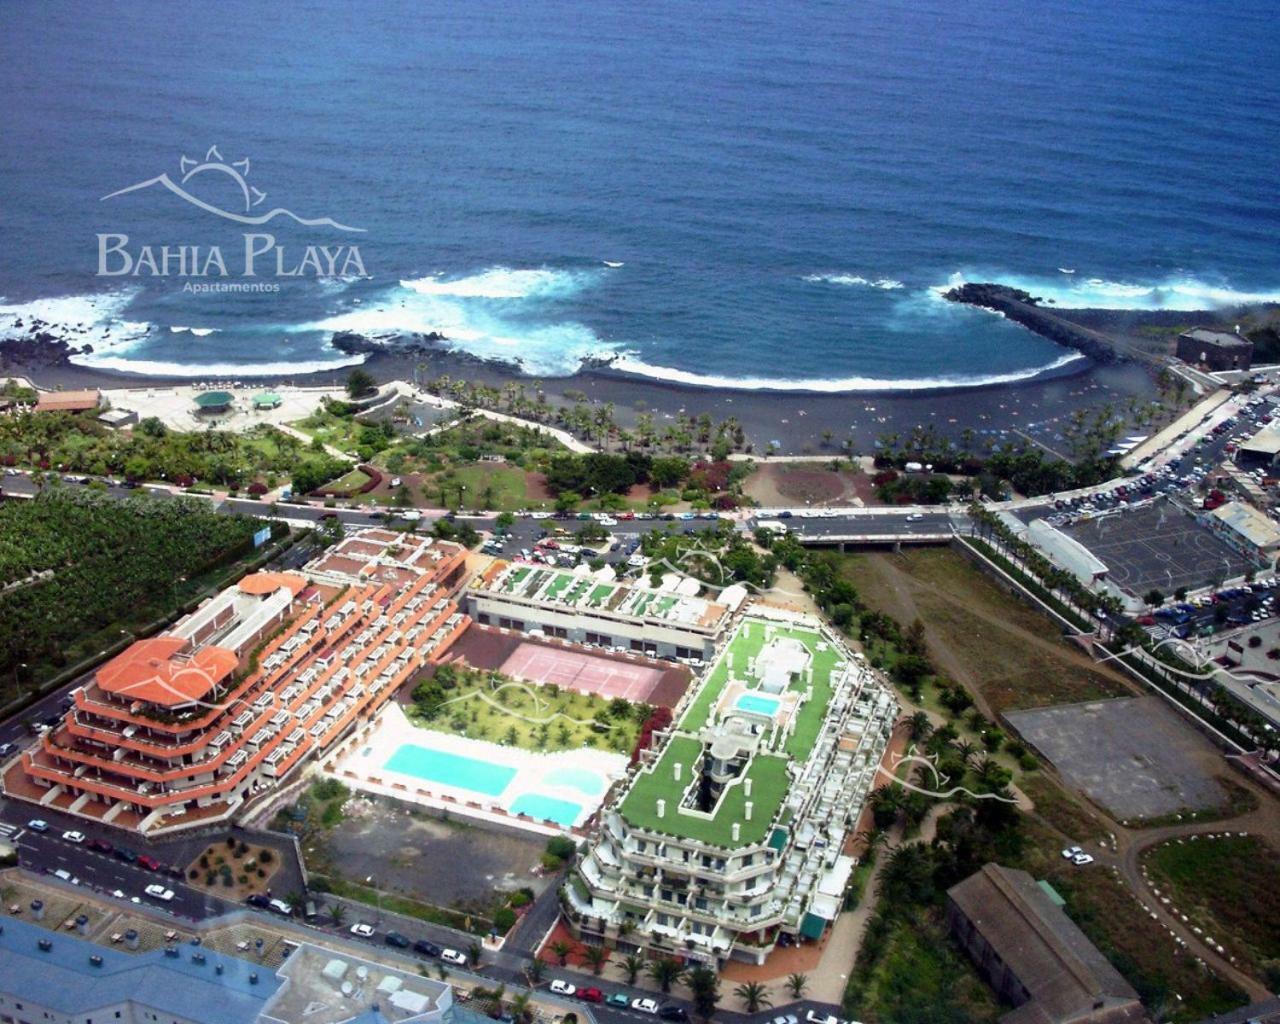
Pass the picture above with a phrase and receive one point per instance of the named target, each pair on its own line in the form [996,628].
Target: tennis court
[582,672]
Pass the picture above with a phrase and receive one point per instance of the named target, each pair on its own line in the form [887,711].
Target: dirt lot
[812,483]
[1005,653]
[446,863]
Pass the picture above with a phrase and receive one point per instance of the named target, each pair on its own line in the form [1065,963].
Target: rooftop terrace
[788,721]
[571,590]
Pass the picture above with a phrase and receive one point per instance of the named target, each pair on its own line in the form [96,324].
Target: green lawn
[350,483]
[768,775]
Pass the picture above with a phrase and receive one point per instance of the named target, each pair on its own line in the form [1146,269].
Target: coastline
[797,420]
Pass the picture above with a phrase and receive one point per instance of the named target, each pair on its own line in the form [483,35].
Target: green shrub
[503,920]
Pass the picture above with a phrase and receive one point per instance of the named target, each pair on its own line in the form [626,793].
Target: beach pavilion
[214,402]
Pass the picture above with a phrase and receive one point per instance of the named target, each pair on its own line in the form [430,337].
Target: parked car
[591,995]
[6,749]
[1081,859]
[619,999]
[674,1013]
[73,837]
[363,930]
[148,862]
[100,845]
[786,1018]
[644,1005]
[258,900]
[426,948]
[397,940]
[452,956]
[280,907]
[159,892]
[563,988]
[125,854]
[1071,851]
[38,825]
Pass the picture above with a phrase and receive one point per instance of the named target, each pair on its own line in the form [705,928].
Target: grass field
[983,638]
[350,483]
[1228,887]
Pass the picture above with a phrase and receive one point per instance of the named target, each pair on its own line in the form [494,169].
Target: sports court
[609,675]
[582,672]
[1158,545]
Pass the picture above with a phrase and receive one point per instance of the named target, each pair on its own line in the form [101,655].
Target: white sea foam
[854,280]
[78,320]
[199,332]
[1077,292]
[159,368]
[504,283]
[495,314]
[630,364]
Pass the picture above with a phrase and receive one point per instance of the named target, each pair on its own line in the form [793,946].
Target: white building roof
[1066,552]
[1251,525]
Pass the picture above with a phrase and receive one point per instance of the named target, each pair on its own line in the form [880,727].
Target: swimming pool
[756,704]
[581,779]
[450,769]
[548,808]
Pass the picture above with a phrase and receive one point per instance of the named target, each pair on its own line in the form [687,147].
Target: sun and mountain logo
[199,181]
[214,165]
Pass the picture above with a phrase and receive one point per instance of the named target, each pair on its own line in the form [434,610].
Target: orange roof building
[186,727]
[68,401]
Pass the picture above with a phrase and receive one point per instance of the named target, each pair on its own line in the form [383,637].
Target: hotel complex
[730,833]
[733,832]
[187,726]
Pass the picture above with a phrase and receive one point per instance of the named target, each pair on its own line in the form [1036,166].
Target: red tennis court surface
[577,670]
[608,675]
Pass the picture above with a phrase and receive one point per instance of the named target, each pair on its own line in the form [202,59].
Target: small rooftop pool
[755,704]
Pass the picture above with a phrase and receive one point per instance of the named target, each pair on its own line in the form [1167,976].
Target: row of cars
[620,1000]
[121,853]
[422,947]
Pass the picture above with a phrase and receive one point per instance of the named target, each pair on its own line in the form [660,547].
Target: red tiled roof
[150,670]
[269,582]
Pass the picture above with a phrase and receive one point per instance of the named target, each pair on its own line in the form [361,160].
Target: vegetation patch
[233,869]
[1230,888]
[81,571]
[487,706]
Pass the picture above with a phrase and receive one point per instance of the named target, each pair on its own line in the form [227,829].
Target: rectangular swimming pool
[756,704]
[450,769]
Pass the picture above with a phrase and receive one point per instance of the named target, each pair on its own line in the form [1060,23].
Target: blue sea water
[769,194]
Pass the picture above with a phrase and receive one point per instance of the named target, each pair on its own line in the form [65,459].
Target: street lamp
[377,896]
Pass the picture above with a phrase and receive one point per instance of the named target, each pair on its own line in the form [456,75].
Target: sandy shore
[797,421]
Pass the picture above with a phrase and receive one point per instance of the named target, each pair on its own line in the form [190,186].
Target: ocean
[763,196]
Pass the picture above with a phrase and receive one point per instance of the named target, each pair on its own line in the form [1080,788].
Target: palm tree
[919,727]
[474,952]
[754,996]
[596,957]
[521,1009]
[705,986]
[562,950]
[633,964]
[797,983]
[337,914]
[666,972]
[534,970]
